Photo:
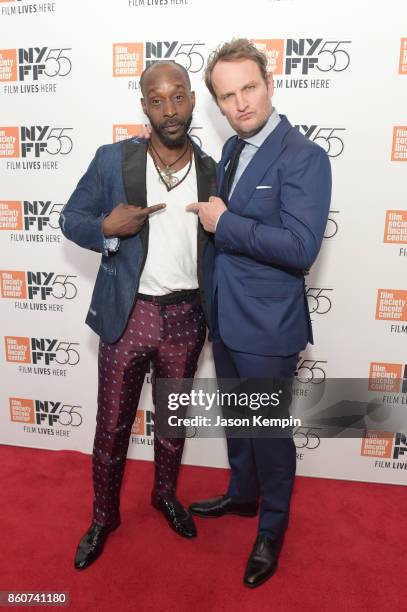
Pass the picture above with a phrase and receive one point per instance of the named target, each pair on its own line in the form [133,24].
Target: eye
[155,102]
[179,98]
[250,86]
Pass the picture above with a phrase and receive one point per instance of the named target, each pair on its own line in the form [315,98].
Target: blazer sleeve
[305,198]
[82,216]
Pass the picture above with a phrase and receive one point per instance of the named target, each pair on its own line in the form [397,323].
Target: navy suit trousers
[260,467]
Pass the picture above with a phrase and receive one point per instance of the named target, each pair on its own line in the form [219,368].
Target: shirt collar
[272,122]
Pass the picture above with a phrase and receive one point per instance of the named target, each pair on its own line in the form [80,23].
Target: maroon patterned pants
[171,337]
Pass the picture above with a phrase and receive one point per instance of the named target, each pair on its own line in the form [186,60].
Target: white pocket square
[264,187]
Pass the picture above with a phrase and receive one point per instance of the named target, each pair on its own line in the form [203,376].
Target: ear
[143,106]
[193,99]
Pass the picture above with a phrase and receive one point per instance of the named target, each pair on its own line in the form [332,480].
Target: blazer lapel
[206,186]
[134,171]
[229,146]
[135,166]
[134,180]
[266,155]
[205,175]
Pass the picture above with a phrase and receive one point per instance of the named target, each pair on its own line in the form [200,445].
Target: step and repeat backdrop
[69,82]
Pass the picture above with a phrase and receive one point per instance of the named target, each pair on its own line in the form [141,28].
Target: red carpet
[346,548]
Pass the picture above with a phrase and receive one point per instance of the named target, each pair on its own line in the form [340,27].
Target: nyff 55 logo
[34,63]
[303,55]
[326,137]
[37,285]
[36,215]
[20,349]
[24,410]
[130,59]
[34,141]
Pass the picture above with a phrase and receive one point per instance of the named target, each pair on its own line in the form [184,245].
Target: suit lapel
[134,171]
[134,180]
[226,154]
[135,166]
[266,155]
[206,186]
[205,175]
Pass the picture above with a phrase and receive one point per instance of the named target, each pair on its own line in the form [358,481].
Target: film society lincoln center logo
[388,377]
[37,285]
[399,144]
[31,142]
[35,221]
[391,305]
[130,59]
[33,69]
[395,227]
[300,58]
[40,351]
[44,412]
[387,448]
[125,130]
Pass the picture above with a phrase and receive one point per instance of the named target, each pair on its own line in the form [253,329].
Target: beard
[168,139]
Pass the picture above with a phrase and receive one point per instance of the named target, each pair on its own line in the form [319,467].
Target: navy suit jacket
[266,239]
[118,174]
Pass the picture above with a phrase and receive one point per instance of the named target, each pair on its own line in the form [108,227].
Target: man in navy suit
[152,294]
[268,223]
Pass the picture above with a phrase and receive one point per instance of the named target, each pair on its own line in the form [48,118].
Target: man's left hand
[209,212]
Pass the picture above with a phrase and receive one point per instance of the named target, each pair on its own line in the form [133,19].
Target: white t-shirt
[171,263]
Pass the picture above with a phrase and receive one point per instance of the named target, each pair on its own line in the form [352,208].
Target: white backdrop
[69,82]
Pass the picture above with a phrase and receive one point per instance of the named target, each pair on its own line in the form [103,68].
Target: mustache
[171,123]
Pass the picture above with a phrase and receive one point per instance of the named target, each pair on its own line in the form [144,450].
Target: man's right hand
[127,220]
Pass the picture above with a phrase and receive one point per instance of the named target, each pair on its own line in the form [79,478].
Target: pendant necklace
[167,174]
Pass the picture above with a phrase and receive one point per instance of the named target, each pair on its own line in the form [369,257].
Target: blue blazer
[118,174]
[265,241]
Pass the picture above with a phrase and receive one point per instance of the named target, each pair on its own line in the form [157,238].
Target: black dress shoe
[263,561]
[177,517]
[218,506]
[91,545]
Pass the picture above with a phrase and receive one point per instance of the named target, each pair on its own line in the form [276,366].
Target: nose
[169,108]
[241,102]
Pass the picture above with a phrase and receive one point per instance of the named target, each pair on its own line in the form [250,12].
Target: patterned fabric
[171,337]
